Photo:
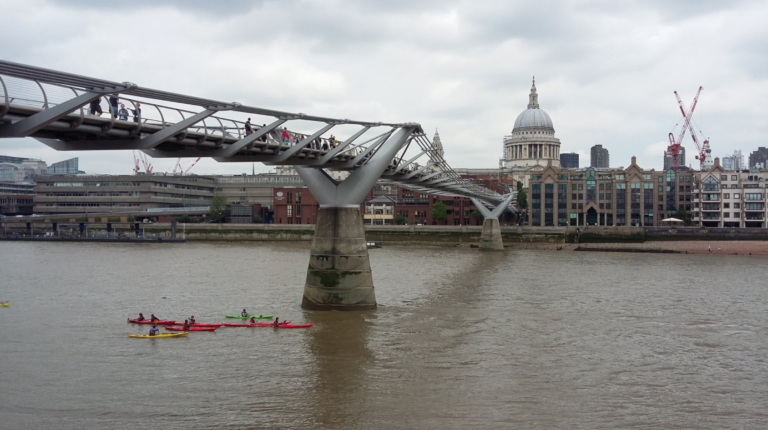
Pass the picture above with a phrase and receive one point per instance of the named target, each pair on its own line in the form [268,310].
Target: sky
[605,69]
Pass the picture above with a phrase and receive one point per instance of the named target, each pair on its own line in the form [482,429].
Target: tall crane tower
[703,149]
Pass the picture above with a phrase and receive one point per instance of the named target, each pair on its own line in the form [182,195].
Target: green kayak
[258,317]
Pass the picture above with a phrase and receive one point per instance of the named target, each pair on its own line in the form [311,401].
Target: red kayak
[199,325]
[150,322]
[241,325]
[191,328]
[267,325]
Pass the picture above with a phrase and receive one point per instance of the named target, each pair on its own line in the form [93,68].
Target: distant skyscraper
[599,157]
[759,157]
[734,162]
[437,144]
[66,167]
[668,158]
[569,161]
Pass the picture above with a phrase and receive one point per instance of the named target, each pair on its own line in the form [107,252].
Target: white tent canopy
[671,220]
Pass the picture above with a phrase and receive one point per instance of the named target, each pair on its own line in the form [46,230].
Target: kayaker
[153,318]
[253,320]
[276,323]
[244,313]
[192,320]
[186,325]
[153,331]
[141,317]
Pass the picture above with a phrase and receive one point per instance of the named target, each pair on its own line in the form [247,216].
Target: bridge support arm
[28,126]
[490,237]
[339,273]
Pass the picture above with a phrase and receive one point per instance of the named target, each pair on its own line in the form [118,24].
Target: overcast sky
[605,69]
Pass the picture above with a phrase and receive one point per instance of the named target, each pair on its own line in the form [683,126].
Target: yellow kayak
[146,336]
[4,305]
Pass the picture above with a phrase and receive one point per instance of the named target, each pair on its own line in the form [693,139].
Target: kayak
[268,325]
[146,336]
[258,317]
[191,328]
[199,325]
[241,325]
[150,322]
[4,305]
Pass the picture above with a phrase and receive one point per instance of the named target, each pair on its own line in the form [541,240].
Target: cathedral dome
[533,117]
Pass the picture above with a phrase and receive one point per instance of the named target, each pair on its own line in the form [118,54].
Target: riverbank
[718,247]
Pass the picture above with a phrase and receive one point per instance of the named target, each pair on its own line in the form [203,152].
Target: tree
[683,215]
[218,207]
[184,219]
[400,220]
[439,212]
[477,215]
[522,198]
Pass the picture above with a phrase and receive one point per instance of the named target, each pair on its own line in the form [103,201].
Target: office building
[607,197]
[759,158]
[65,168]
[120,193]
[569,161]
[668,158]
[734,162]
[599,157]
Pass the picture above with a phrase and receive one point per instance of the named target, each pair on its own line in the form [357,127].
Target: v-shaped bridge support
[339,274]
[490,238]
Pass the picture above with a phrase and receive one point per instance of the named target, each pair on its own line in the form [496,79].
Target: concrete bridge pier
[339,273]
[490,237]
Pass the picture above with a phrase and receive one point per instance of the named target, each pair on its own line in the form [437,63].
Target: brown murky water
[523,339]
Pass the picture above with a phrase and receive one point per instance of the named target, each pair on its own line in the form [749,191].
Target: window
[661,179]
[581,187]
[573,187]
[711,184]
[602,187]
[647,176]
[620,177]
[723,177]
[573,196]
[733,177]
[635,185]
[661,188]
[737,196]
[608,187]
[726,205]
[737,205]
[648,186]
[726,214]
[753,196]
[726,196]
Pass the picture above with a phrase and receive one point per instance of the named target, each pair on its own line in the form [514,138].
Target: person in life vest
[191,320]
[244,313]
[186,325]
[154,331]
[153,318]
[141,317]
[276,323]
[253,320]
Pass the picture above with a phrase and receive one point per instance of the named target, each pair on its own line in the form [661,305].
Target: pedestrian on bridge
[123,113]
[96,107]
[136,112]
[248,129]
[113,102]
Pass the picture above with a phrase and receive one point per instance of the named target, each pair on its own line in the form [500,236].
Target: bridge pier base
[339,273]
[490,237]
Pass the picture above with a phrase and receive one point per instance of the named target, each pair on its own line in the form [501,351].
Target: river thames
[461,339]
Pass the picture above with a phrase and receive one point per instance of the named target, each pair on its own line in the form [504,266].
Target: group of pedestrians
[120,112]
[289,138]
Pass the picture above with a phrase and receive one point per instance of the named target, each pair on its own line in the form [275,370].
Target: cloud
[606,71]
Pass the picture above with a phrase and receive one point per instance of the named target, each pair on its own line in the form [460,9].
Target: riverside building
[607,197]
[727,198]
[120,193]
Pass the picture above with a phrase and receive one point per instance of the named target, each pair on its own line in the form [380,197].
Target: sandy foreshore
[685,247]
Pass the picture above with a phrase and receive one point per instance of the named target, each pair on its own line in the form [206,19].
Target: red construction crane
[193,165]
[674,149]
[704,150]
